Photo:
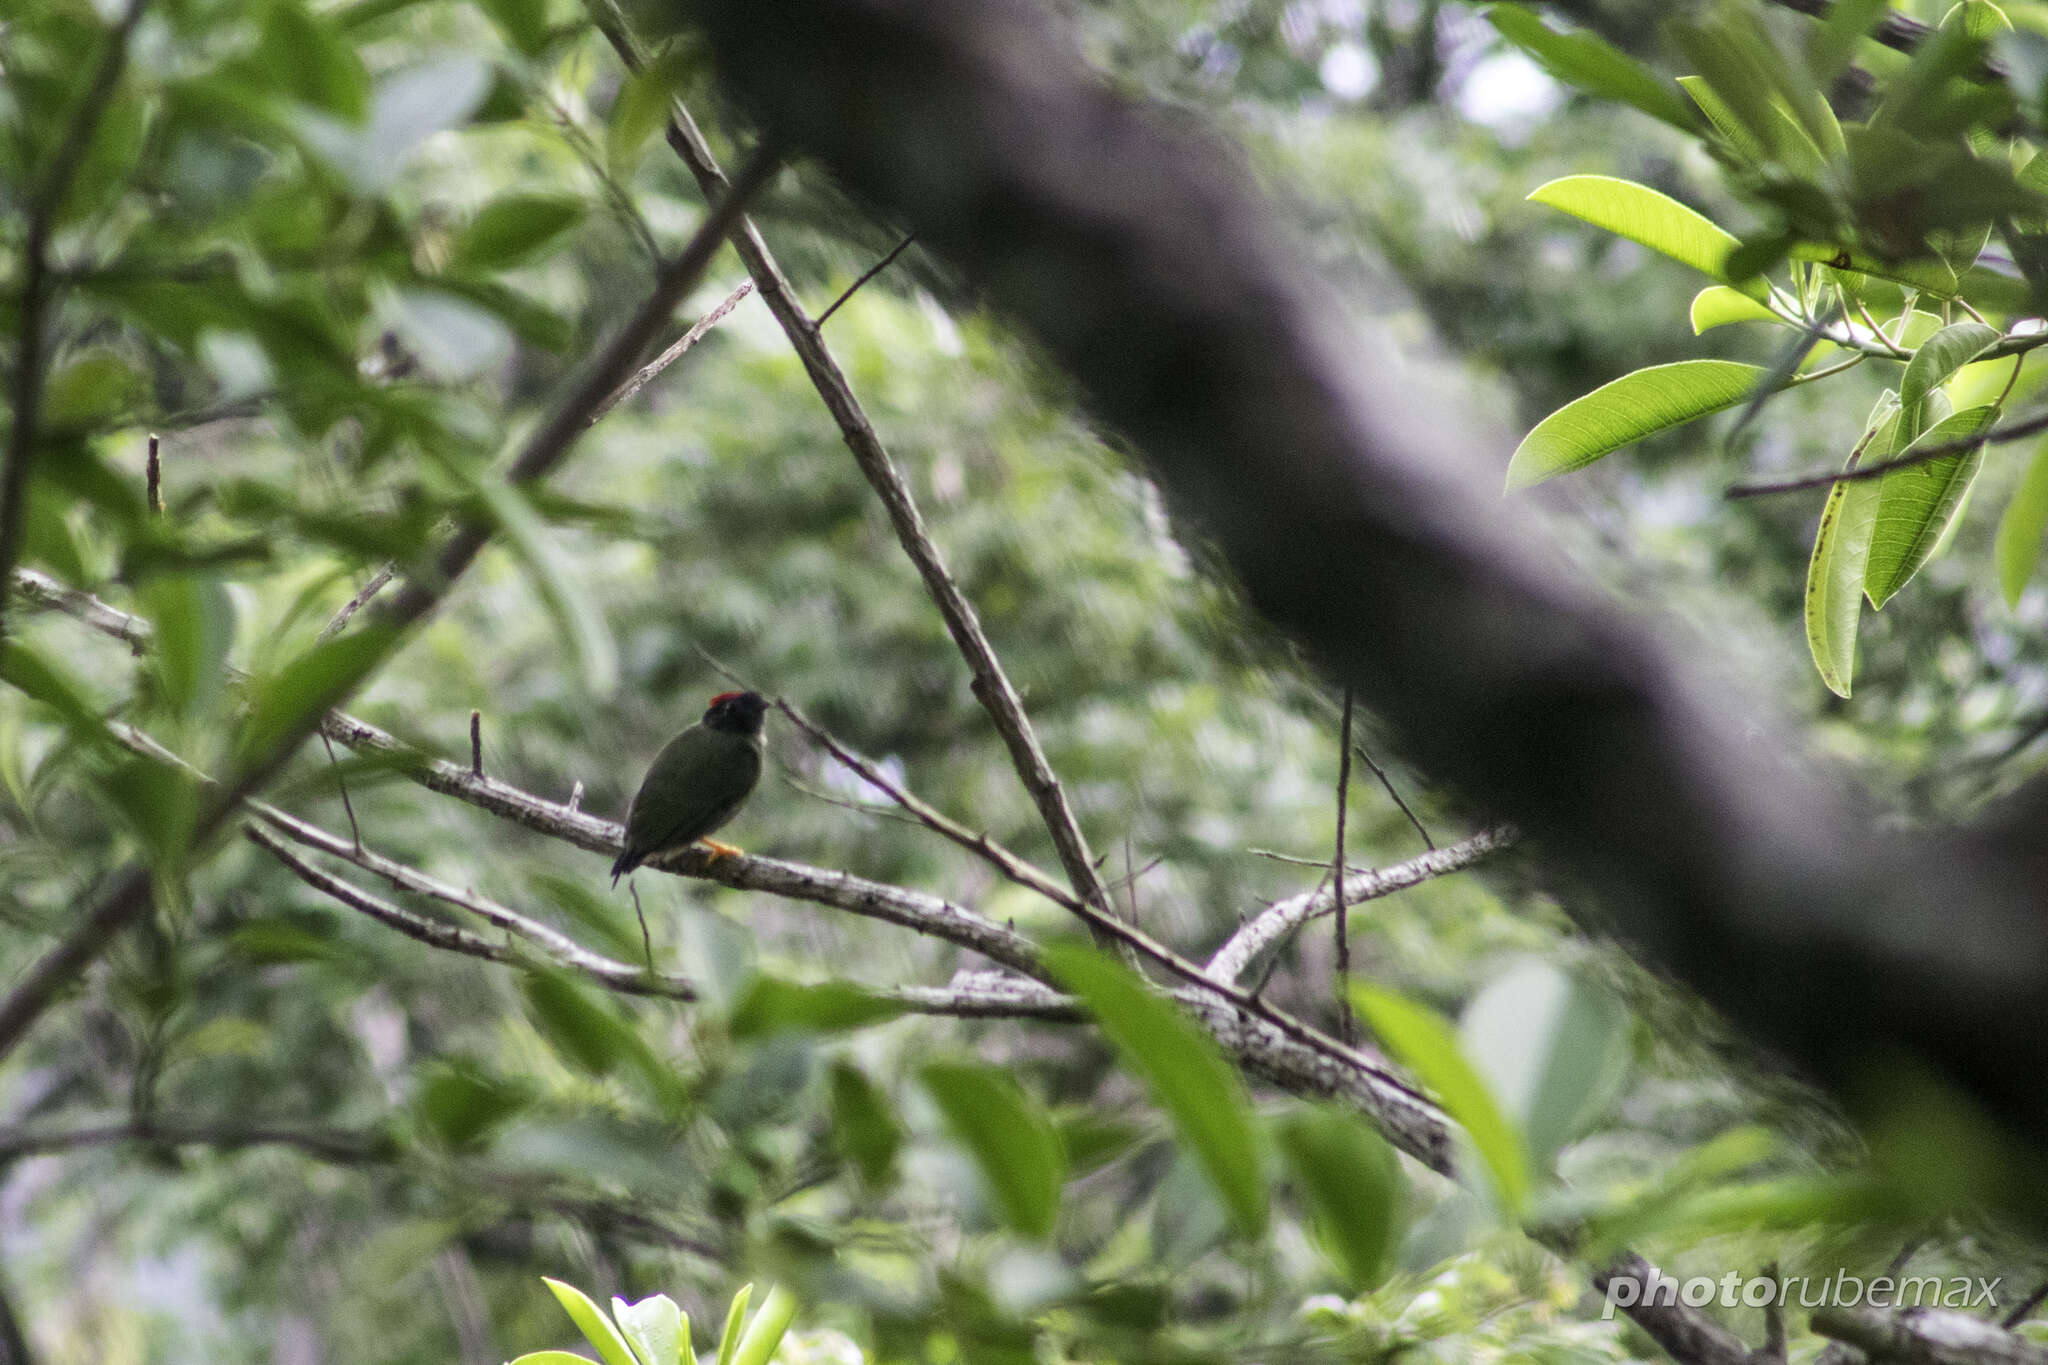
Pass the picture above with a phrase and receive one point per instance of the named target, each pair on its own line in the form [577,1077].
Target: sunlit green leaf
[1592,64]
[1352,1183]
[2021,529]
[1841,554]
[1426,1045]
[1626,410]
[1938,358]
[1919,504]
[1641,214]
[645,103]
[1012,1141]
[591,1321]
[735,1320]
[757,1346]
[31,672]
[1717,305]
[1188,1078]
[655,1328]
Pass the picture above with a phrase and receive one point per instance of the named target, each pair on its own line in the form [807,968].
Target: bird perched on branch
[697,782]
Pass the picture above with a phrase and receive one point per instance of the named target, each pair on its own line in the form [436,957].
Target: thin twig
[341,781]
[1394,795]
[2025,1306]
[153,477]
[1347,1026]
[872,271]
[646,938]
[359,601]
[31,350]
[2014,431]
[476,744]
[647,372]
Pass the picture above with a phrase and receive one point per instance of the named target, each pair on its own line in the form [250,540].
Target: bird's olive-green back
[694,785]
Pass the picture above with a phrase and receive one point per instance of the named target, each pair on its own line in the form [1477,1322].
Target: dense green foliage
[342,259]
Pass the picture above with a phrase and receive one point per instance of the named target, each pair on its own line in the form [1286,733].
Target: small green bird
[697,782]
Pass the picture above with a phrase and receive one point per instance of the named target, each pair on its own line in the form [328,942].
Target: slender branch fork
[2012,431]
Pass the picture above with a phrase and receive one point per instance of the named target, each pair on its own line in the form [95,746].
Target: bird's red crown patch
[723,697]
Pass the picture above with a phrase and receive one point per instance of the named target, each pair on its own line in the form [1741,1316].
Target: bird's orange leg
[722,850]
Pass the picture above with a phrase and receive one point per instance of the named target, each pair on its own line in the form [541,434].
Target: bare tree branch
[1926,1336]
[646,374]
[1230,962]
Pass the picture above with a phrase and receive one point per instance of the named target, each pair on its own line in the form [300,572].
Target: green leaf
[195,625]
[160,803]
[864,1128]
[1188,1078]
[525,25]
[1919,504]
[591,1321]
[1351,1181]
[287,704]
[560,588]
[1717,305]
[92,388]
[1841,553]
[586,1030]
[460,1103]
[1553,1048]
[513,229]
[2021,529]
[764,1333]
[552,1358]
[646,102]
[29,671]
[1424,1042]
[1937,359]
[1010,1137]
[1641,214]
[1626,410]
[1592,64]
[1833,42]
[770,1005]
[735,1318]
[655,1328]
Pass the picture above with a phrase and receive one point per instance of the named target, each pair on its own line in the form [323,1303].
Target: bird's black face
[737,713]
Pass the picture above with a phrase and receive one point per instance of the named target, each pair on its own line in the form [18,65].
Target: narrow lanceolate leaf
[1424,1042]
[2021,528]
[1010,1139]
[1939,357]
[1591,64]
[1918,504]
[559,586]
[1640,214]
[1625,411]
[1351,1182]
[1834,580]
[1188,1078]
[1717,305]
[591,1321]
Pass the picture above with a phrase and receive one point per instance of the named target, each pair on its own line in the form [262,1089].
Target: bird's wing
[694,786]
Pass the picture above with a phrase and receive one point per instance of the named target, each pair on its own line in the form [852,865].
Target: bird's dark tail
[626,863]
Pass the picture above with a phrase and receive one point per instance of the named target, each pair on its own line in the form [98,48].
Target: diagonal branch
[992,685]
[1231,960]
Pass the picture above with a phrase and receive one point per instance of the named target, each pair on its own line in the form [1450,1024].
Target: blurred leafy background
[337,256]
